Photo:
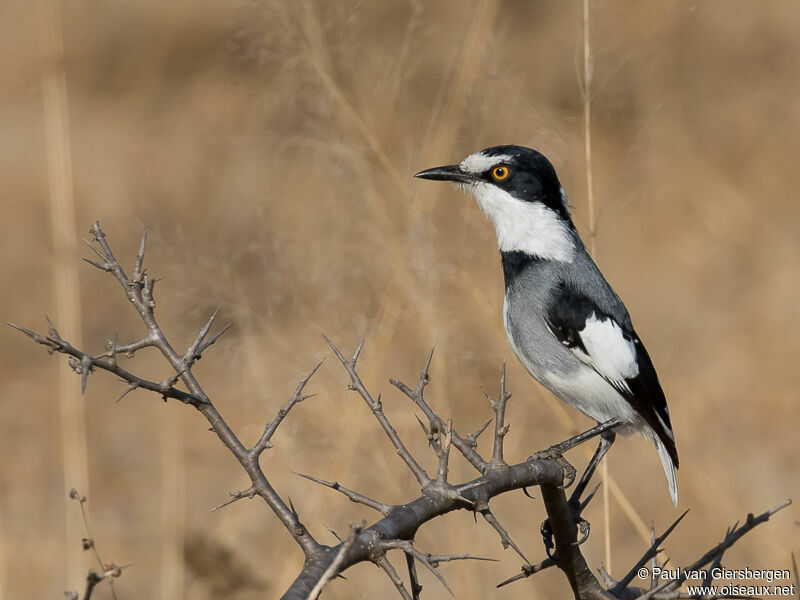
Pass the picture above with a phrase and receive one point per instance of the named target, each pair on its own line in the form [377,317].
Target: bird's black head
[523,173]
[519,191]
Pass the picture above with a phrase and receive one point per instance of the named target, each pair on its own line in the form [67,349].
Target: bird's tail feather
[669,469]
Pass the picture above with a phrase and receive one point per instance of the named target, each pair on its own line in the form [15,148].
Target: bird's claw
[569,473]
[547,536]
[583,528]
[555,453]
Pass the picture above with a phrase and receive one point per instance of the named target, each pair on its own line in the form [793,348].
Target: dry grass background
[268,149]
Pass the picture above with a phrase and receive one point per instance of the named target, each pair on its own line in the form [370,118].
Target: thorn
[472,438]
[137,269]
[215,337]
[207,327]
[358,350]
[169,382]
[336,535]
[128,390]
[111,344]
[607,578]
[338,354]
[428,433]
[31,334]
[94,249]
[424,376]
[350,494]
[249,493]
[311,374]
[588,498]
[528,570]
[103,267]
[51,330]
[465,500]
[470,486]
[86,367]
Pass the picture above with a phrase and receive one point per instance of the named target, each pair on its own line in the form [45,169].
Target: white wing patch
[608,351]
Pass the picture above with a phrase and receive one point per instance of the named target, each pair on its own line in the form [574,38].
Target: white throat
[527,227]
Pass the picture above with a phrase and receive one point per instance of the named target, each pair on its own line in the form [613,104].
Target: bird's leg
[606,440]
[607,437]
[556,451]
[598,429]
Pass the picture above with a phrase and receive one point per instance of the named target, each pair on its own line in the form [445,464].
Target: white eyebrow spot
[479,162]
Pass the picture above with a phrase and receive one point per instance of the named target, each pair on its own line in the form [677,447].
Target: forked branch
[398,524]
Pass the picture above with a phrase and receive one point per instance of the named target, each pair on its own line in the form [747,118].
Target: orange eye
[500,173]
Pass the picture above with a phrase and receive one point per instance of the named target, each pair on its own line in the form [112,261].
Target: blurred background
[268,149]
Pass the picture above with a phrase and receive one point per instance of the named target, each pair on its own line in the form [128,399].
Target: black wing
[616,353]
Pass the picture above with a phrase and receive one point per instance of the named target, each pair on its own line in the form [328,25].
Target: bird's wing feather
[615,352]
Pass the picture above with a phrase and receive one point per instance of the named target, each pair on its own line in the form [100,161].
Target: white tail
[669,470]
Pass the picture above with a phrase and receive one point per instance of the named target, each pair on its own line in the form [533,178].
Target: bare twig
[264,441]
[399,524]
[353,496]
[192,353]
[444,452]
[650,553]
[387,567]
[56,344]
[465,446]
[416,588]
[500,428]
[733,535]
[528,570]
[505,539]
[377,409]
[430,561]
[139,291]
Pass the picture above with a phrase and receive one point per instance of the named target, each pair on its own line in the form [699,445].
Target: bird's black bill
[449,173]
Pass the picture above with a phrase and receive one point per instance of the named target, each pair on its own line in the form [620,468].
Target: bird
[563,320]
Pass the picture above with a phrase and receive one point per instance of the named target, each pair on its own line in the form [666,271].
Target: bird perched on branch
[563,320]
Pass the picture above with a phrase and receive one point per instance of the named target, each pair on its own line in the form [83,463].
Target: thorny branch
[396,530]
[139,288]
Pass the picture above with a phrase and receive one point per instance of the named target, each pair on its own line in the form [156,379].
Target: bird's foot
[582,524]
[547,536]
[583,529]
[555,453]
